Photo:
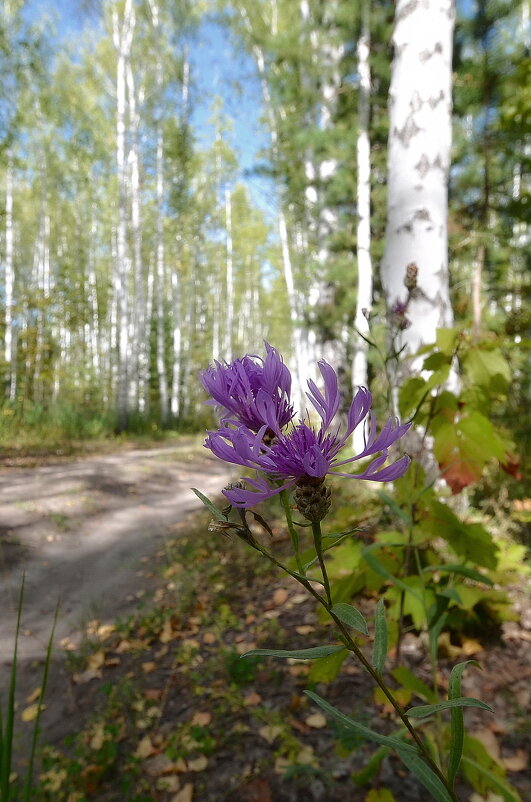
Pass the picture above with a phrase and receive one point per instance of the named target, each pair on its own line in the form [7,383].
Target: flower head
[251,391]
[308,454]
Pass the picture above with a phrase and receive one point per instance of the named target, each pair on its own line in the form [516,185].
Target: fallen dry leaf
[30,713]
[153,694]
[145,748]
[471,646]
[241,648]
[147,668]
[198,764]
[168,632]
[305,629]
[158,765]
[169,782]
[186,794]
[96,660]
[252,699]
[209,638]
[316,720]
[201,719]
[516,762]
[489,741]
[86,676]
[33,696]
[270,732]
[280,596]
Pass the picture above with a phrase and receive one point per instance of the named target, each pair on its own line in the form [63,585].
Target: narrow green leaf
[7,737]
[462,570]
[457,729]
[349,723]
[297,654]
[351,617]
[393,506]
[379,652]
[409,681]
[422,711]
[208,504]
[425,775]
[36,728]
[371,767]
[326,669]
[496,783]
[378,568]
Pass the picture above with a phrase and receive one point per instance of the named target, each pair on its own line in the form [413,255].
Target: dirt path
[82,530]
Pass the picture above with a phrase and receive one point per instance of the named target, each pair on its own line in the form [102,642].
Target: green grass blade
[7,737]
[36,728]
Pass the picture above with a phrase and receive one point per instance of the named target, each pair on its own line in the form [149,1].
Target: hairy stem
[318,540]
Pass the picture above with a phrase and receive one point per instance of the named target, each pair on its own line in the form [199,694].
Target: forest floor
[148,699]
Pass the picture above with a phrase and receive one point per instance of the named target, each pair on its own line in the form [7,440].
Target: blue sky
[217,69]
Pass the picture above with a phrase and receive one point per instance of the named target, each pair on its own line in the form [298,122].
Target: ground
[155,612]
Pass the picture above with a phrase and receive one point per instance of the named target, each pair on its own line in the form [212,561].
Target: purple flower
[306,454]
[251,391]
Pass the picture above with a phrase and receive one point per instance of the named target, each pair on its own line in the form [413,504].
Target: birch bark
[9,279]
[229,278]
[420,105]
[122,31]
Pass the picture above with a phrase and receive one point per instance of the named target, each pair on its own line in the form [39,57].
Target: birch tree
[420,105]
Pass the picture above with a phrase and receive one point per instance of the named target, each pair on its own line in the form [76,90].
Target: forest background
[147,229]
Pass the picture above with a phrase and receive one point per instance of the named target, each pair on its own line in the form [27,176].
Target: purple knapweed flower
[251,391]
[306,454]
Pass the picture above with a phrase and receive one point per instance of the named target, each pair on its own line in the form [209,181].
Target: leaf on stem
[208,504]
[360,729]
[297,654]
[424,775]
[422,711]
[457,730]
[460,569]
[348,615]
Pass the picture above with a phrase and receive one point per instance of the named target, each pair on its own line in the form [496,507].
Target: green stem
[284,498]
[354,648]
[318,540]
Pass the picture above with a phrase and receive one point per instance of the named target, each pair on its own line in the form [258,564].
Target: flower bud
[312,498]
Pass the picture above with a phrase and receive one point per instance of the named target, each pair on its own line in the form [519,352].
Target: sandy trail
[82,531]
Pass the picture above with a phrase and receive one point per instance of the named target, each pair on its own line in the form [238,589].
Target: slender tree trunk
[420,105]
[122,39]
[161,285]
[9,279]
[229,279]
[363,244]
[139,379]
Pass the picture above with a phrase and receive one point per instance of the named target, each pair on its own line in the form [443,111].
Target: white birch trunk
[161,283]
[122,40]
[9,283]
[229,279]
[420,106]
[92,289]
[139,379]
[363,243]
